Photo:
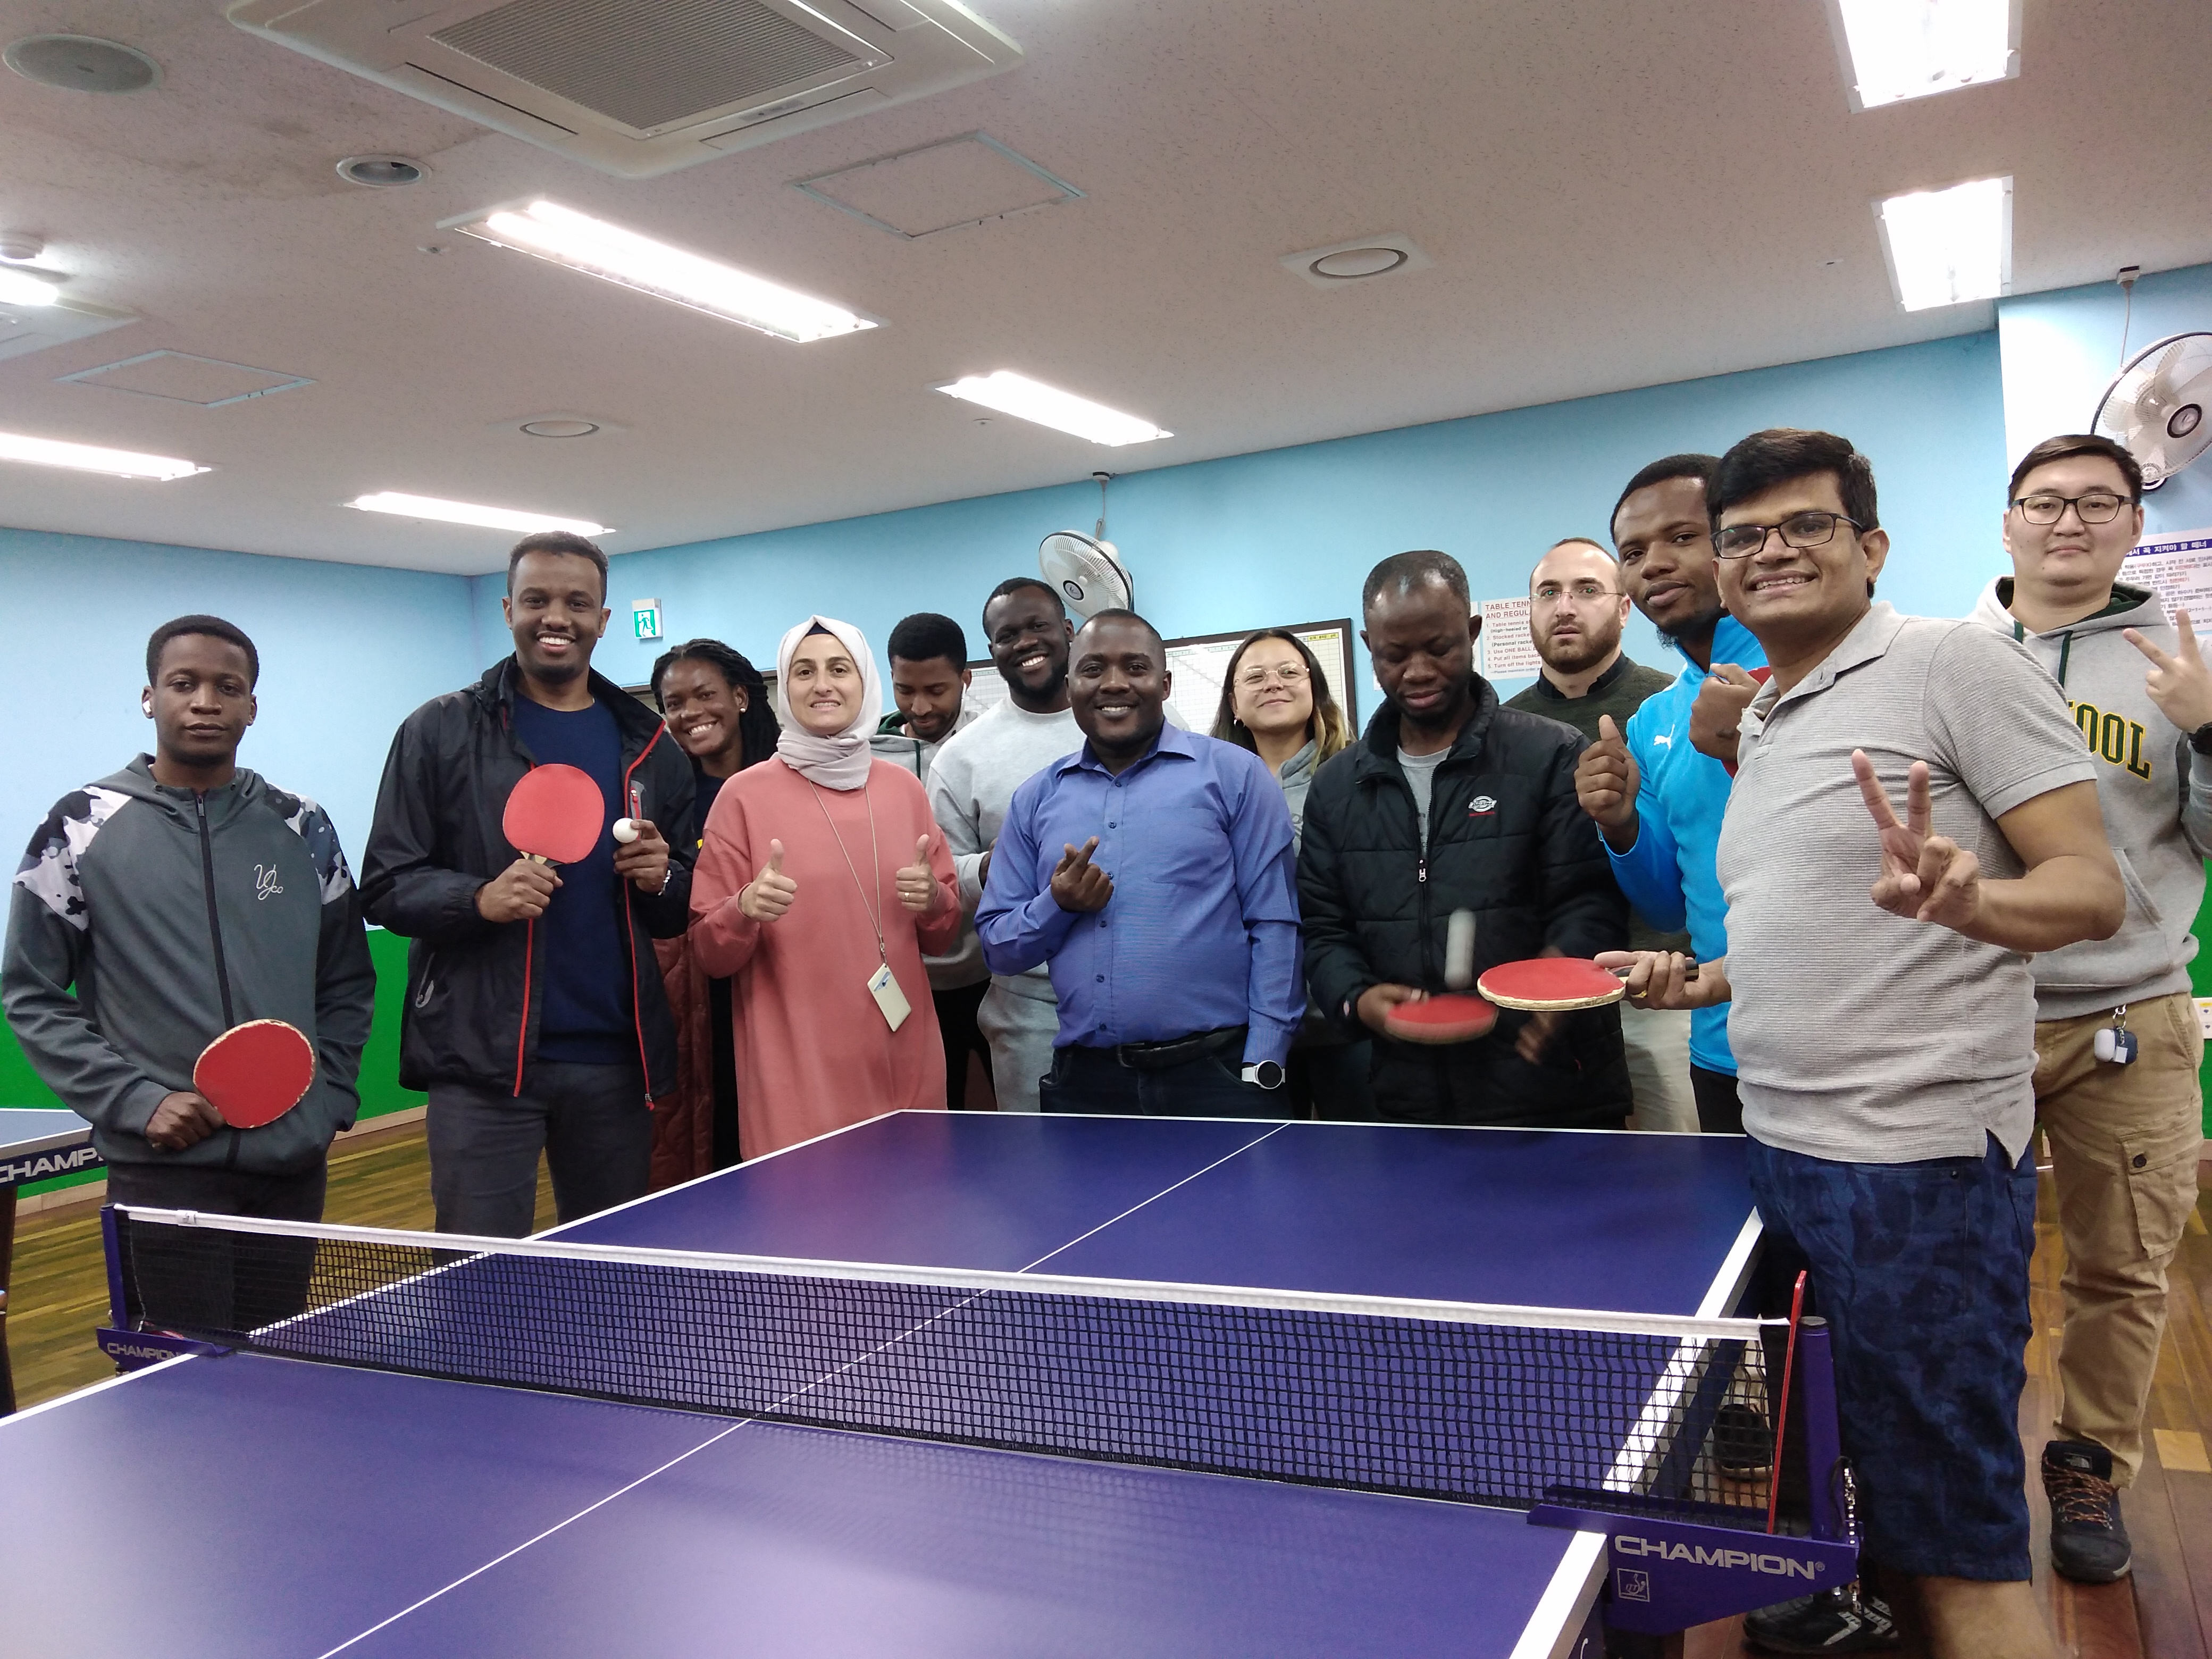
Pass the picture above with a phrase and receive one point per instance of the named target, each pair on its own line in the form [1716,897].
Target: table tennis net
[1496,1405]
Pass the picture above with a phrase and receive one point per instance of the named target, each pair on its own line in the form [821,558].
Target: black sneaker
[2088,1542]
[1827,1621]
[1743,1446]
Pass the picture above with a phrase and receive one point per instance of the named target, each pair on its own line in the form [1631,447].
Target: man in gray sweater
[166,904]
[971,782]
[2117,1037]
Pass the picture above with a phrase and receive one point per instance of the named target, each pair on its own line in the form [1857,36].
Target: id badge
[884,988]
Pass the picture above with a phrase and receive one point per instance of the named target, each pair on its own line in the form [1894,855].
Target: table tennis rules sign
[2177,567]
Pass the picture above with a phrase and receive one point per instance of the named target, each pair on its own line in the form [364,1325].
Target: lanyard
[875,911]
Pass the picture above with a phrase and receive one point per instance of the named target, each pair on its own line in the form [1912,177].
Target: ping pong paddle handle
[1459,951]
[1689,969]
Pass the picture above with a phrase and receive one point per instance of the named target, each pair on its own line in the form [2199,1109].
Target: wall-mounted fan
[1087,570]
[2157,406]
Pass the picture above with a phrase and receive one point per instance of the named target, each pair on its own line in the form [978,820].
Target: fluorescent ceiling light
[20,288]
[1032,400]
[490,517]
[552,232]
[1900,49]
[89,458]
[1948,247]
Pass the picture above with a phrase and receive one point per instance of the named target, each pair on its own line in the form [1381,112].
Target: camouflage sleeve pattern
[49,869]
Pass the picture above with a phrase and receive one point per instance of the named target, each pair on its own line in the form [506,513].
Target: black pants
[217,1281]
[591,1121]
[1094,1080]
[1328,1081]
[1719,1111]
[956,1024]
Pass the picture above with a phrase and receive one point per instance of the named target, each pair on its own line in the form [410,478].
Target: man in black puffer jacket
[1451,802]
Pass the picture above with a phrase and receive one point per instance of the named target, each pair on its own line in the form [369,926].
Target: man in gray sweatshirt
[971,782]
[2117,1036]
[176,898]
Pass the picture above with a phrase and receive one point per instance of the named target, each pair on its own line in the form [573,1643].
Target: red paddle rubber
[254,1073]
[555,814]
[1449,1016]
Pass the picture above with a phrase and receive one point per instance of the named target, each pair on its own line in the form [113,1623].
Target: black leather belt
[1160,1056]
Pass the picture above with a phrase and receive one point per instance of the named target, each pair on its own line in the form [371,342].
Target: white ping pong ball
[625,830]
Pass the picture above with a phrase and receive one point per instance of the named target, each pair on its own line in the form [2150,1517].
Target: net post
[1823,1440]
[119,1312]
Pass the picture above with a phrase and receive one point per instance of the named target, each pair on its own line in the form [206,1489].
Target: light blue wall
[2061,350]
[1287,535]
[346,651]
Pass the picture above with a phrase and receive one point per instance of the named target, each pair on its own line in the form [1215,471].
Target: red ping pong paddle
[1449,1016]
[254,1073]
[1554,984]
[555,815]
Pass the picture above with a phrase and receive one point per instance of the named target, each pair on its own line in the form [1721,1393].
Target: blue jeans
[1921,1272]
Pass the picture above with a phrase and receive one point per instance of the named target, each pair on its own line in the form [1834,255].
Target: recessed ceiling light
[1032,400]
[82,63]
[1359,260]
[1899,49]
[91,458]
[20,247]
[558,428]
[23,288]
[381,172]
[1948,247]
[550,231]
[489,518]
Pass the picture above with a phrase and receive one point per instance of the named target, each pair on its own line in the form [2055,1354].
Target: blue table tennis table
[36,1144]
[245,1505]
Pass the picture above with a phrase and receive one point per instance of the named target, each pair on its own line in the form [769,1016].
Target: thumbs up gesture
[917,888]
[1606,781]
[768,894]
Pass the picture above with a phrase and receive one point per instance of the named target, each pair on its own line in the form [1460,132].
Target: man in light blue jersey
[1657,801]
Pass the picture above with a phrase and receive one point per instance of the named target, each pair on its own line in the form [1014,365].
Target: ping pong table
[36,1144]
[247,1504]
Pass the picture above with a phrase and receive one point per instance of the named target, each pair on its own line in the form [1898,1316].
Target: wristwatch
[2200,739]
[1264,1074]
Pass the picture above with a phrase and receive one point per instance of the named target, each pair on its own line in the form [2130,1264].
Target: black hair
[757,730]
[1781,454]
[1015,584]
[558,541]
[1407,571]
[213,627]
[925,636]
[1118,615]
[2078,443]
[1685,466]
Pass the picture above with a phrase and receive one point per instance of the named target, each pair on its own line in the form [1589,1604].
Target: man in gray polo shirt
[1912,816]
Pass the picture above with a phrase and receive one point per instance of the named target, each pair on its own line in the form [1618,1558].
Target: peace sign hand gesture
[2180,685]
[1923,877]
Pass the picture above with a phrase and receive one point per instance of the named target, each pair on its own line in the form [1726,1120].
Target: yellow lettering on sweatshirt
[2113,739]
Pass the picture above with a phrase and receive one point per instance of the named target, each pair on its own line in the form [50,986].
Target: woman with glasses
[1276,702]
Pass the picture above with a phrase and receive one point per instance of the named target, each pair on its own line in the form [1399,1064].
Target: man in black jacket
[1451,802]
[535,1017]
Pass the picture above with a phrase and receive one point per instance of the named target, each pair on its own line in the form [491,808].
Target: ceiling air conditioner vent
[636,88]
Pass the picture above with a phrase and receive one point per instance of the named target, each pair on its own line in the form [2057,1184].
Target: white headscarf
[841,762]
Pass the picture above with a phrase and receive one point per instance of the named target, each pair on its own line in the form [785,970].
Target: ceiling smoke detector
[82,63]
[559,423]
[381,172]
[559,428]
[1362,259]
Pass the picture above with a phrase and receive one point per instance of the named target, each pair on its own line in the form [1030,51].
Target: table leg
[7,1264]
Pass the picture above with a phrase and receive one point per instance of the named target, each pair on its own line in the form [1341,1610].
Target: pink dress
[813,1053]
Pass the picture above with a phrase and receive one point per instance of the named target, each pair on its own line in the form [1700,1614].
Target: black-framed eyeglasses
[2098,506]
[1740,541]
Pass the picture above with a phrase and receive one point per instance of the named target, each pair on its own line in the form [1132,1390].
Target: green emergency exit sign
[645,618]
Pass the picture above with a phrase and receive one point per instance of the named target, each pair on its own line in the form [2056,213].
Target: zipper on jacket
[630,931]
[215,936]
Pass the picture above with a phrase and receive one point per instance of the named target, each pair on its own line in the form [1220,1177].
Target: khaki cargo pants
[2124,1142]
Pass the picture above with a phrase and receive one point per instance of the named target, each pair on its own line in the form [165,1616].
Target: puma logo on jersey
[2112,738]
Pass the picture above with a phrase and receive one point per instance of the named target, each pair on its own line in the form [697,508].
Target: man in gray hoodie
[2117,1037]
[178,897]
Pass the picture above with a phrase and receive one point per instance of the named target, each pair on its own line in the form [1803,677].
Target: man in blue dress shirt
[1153,870]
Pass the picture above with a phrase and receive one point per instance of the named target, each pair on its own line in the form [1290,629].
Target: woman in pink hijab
[822,880]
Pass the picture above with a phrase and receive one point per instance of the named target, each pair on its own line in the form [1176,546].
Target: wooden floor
[2164,1611]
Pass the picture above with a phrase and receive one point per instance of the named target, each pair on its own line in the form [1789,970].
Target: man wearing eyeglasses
[2117,1037]
[1575,612]
[1883,1016]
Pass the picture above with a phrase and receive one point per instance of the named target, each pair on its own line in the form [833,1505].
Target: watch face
[1266,1073]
